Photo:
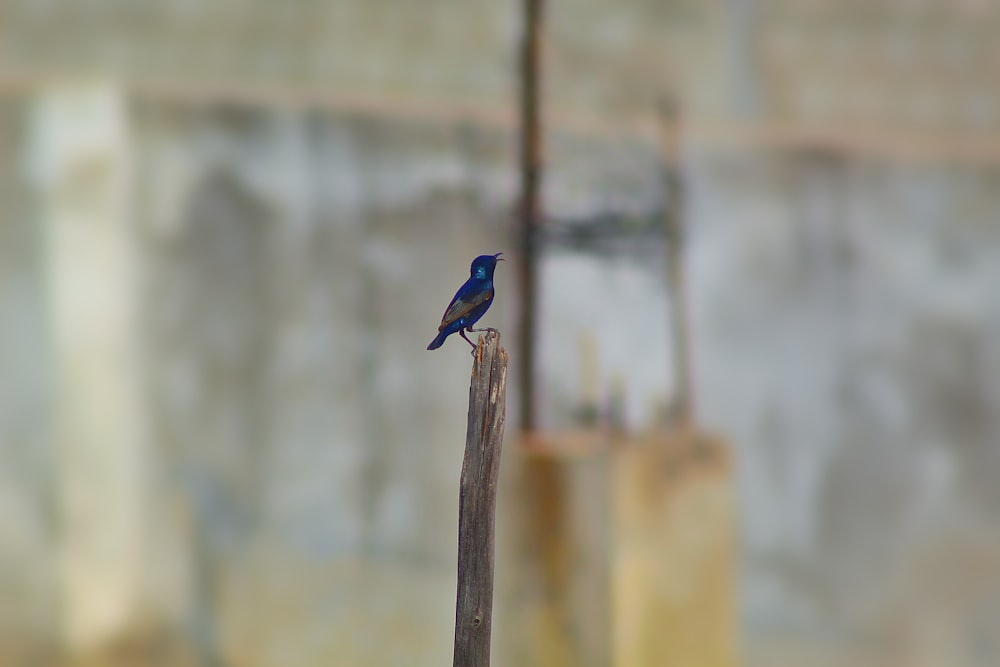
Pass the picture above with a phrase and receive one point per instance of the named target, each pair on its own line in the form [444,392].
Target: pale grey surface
[853,360]
[292,283]
[27,455]
[304,449]
[828,66]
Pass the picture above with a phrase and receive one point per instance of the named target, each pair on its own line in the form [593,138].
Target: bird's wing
[463,304]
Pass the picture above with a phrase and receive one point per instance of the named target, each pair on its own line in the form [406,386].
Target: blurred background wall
[229,228]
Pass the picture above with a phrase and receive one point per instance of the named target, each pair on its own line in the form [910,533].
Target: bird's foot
[461,332]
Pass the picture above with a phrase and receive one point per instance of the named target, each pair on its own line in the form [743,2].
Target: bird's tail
[439,340]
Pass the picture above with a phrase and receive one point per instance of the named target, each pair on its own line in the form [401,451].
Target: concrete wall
[28,556]
[298,449]
[289,292]
[252,286]
[438,57]
[847,342]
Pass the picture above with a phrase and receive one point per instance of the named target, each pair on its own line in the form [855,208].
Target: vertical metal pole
[530,217]
[542,502]
[670,122]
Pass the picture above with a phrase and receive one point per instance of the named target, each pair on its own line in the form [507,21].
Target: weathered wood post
[477,503]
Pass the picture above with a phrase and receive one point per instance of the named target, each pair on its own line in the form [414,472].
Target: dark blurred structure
[214,445]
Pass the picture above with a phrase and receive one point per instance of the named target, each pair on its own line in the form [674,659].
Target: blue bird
[470,302]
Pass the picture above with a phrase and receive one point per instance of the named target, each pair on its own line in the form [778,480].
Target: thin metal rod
[683,410]
[530,214]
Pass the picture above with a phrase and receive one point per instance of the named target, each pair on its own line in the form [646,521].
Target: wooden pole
[531,183]
[477,503]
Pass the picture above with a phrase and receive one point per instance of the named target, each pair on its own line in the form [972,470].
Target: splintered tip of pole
[492,338]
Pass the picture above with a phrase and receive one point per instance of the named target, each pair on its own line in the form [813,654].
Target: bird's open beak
[499,258]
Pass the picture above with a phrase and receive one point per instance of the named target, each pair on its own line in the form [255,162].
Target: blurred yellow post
[79,158]
[620,555]
[674,553]
[555,568]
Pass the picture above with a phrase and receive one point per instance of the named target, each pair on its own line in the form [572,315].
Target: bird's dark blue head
[484,265]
